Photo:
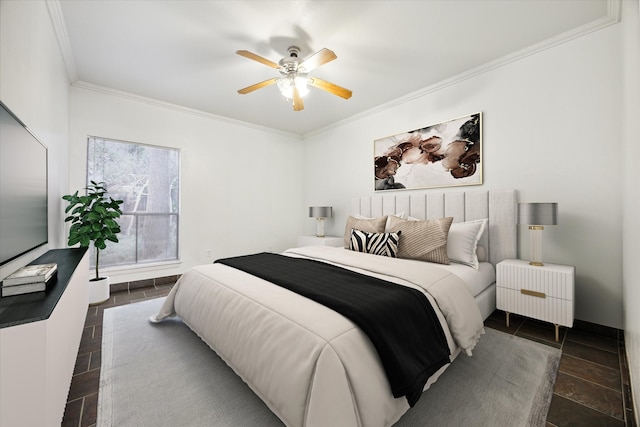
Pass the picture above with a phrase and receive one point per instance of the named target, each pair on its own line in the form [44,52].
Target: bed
[313,366]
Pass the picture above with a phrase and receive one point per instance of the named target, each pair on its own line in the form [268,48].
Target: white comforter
[309,364]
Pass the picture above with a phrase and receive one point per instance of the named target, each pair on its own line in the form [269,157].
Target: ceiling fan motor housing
[290,64]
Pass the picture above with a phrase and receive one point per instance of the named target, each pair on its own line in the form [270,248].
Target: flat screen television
[23,188]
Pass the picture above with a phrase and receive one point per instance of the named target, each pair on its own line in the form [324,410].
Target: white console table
[39,339]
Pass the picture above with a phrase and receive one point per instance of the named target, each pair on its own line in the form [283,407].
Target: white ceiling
[183,52]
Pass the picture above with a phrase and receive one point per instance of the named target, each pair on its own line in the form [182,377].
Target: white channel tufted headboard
[500,240]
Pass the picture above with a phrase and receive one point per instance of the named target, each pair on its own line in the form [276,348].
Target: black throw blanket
[400,321]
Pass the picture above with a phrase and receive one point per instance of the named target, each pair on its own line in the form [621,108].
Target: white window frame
[136,262]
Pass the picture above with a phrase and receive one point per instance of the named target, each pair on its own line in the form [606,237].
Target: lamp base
[320,227]
[535,248]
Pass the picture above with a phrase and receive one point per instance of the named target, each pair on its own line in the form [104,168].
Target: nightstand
[545,293]
[320,241]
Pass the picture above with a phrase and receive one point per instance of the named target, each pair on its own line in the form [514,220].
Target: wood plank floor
[592,387]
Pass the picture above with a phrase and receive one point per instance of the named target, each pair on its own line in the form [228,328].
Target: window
[147,179]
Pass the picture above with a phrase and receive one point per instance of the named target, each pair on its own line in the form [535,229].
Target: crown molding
[57,19]
[614,10]
[179,108]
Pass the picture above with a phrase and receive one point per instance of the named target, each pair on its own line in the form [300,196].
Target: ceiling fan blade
[298,105]
[319,58]
[258,58]
[330,87]
[257,86]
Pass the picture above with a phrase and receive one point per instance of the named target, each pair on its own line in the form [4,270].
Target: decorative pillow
[400,215]
[385,244]
[463,242]
[373,225]
[423,240]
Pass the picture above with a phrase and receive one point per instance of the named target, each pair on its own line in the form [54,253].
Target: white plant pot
[99,290]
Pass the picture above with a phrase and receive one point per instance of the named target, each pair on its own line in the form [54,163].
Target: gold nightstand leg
[557,334]
[507,313]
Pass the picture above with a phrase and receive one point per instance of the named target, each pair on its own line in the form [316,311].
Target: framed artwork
[440,155]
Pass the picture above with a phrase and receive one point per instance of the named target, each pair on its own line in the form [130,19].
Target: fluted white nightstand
[320,241]
[544,293]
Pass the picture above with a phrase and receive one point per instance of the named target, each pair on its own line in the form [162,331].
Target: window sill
[150,266]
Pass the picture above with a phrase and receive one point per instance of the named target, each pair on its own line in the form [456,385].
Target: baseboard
[137,284]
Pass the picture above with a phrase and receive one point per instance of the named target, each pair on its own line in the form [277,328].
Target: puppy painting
[440,155]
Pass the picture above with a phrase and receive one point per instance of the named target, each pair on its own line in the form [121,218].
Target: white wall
[631,195]
[240,186]
[552,130]
[34,85]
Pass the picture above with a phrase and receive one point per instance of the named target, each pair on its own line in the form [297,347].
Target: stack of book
[28,279]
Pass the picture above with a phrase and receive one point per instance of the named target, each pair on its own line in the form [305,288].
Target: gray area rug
[164,375]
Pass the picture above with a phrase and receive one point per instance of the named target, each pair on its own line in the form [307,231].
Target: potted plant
[93,219]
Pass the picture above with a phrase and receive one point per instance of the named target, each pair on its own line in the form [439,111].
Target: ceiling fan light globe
[301,84]
[286,84]
[285,88]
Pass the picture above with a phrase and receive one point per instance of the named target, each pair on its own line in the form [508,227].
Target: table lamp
[320,213]
[536,216]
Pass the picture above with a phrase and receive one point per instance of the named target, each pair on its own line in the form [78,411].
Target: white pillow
[463,242]
[482,254]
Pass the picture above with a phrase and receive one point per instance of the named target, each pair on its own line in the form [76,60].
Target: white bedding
[309,364]
[476,280]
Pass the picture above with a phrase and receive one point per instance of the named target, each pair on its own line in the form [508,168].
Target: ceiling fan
[294,75]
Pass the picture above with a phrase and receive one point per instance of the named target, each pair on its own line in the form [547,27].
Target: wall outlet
[208,253]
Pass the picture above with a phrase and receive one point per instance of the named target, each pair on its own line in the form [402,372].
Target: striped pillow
[385,244]
[423,240]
